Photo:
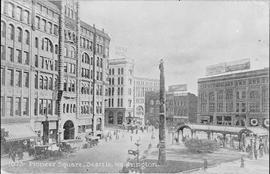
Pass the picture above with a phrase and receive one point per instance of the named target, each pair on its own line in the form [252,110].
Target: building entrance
[69,130]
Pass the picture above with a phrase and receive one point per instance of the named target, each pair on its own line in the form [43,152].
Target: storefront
[17,137]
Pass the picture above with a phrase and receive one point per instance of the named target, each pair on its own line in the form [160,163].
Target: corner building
[53,69]
[237,99]
[120,99]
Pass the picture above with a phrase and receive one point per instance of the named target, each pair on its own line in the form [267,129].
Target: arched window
[36,42]
[66,51]
[19,32]
[3,29]
[45,82]
[97,61]
[72,52]
[56,49]
[41,82]
[27,37]
[64,108]
[50,83]
[11,32]
[9,10]
[74,108]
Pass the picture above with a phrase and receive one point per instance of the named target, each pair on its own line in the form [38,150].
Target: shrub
[201,145]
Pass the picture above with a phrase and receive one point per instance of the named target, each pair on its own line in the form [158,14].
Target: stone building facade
[141,86]
[119,107]
[237,98]
[53,69]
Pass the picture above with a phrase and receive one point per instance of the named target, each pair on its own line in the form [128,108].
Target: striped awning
[20,131]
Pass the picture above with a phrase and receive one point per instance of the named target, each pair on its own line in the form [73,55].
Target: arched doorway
[68,130]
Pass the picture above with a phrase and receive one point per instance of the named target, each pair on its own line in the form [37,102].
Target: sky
[188,35]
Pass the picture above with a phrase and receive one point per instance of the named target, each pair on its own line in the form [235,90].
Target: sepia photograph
[135,86]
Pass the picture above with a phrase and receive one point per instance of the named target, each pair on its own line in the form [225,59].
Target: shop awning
[19,131]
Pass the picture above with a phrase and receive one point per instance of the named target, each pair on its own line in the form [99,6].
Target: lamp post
[162,117]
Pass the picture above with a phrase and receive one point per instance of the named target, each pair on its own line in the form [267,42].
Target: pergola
[224,130]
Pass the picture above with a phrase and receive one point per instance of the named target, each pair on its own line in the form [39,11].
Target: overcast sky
[188,35]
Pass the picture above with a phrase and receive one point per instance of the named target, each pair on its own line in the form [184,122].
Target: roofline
[264,71]
[92,28]
[145,78]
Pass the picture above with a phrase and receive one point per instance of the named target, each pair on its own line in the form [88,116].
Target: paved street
[106,157]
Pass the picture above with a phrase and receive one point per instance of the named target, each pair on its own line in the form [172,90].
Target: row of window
[17,12]
[120,91]
[47,11]
[21,57]
[14,106]
[17,78]
[70,68]
[46,26]
[257,80]
[120,81]
[45,107]
[69,87]
[46,63]
[45,82]
[240,107]
[69,108]
[11,34]
[120,71]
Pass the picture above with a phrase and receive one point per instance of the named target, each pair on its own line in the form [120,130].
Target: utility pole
[162,118]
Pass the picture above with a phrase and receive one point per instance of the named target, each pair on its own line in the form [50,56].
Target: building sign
[228,67]
[181,87]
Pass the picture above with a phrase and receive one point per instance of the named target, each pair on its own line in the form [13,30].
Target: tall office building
[120,100]
[53,70]
[235,98]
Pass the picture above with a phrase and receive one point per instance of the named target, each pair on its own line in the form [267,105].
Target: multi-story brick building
[119,107]
[141,86]
[53,69]
[234,98]
[181,107]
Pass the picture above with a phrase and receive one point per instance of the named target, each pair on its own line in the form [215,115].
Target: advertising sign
[181,87]
[228,67]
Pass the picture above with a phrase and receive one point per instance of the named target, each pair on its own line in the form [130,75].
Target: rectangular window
[9,106]
[25,106]
[26,58]
[50,107]
[18,106]
[10,54]
[18,56]
[10,77]
[26,79]
[40,106]
[19,13]
[2,106]
[18,78]
[36,61]
[3,76]
[36,106]
[243,107]
[3,54]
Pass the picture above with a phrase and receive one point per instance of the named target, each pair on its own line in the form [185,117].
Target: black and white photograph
[135,86]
